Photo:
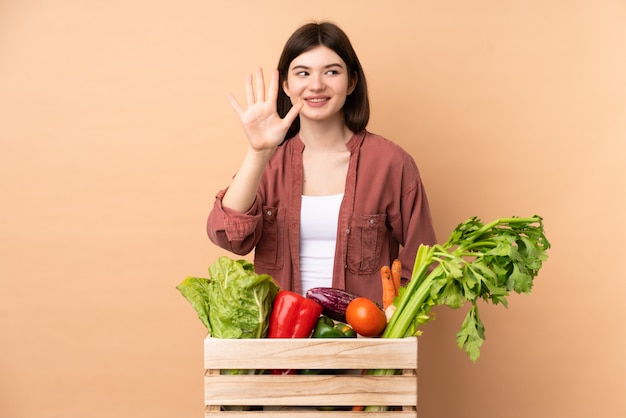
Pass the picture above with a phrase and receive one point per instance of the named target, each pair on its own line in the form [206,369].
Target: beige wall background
[116,132]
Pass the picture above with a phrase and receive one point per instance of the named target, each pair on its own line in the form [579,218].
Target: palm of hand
[263,126]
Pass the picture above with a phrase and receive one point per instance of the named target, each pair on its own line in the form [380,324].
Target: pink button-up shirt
[384,209]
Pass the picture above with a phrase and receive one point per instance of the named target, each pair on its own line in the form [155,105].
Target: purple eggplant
[334,301]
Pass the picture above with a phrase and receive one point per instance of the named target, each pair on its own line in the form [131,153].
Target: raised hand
[263,126]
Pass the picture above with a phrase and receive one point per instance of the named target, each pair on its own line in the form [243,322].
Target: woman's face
[319,78]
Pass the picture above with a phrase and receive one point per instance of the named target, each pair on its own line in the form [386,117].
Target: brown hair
[356,108]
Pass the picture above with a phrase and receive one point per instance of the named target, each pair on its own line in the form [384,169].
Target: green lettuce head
[235,302]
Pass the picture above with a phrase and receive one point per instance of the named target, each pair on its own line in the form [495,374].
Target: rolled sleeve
[234,231]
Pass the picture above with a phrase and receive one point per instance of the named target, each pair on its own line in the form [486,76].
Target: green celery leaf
[472,334]
[519,281]
[452,295]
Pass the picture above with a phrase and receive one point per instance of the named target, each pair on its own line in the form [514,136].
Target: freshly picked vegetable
[334,301]
[326,327]
[293,316]
[235,302]
[478,261]
[366,317]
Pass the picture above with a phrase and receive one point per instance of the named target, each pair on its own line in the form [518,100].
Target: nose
[317,82]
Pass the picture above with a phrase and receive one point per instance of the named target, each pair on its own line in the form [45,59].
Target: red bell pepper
[293,316]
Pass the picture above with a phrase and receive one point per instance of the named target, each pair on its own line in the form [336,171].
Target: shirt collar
[353,143]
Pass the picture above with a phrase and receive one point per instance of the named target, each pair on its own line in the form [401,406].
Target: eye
[302,73]
[332,72]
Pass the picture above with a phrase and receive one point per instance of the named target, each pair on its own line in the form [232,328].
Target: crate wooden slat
[299,394]
[316,389]
[311,353]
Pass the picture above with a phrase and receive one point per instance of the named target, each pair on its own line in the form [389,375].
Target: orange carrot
[389,291]
[396,274]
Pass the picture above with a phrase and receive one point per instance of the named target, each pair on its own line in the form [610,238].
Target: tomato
[365,317]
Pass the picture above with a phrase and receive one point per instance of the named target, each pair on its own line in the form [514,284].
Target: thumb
[293,112]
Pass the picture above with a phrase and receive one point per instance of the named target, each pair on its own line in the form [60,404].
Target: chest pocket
[365,241]
[269,251]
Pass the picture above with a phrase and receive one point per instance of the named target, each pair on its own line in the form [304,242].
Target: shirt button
[348,231]
[372,221]
[269,213]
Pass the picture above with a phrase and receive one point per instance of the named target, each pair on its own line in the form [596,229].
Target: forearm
[242,191]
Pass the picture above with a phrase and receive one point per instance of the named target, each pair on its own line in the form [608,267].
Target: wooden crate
[282,396]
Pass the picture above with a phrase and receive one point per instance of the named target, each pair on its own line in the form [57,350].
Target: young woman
[320,200]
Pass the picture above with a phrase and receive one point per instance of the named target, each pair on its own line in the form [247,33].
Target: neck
[325,136]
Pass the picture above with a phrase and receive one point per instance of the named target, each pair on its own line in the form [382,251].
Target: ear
[352,83]
[286,88]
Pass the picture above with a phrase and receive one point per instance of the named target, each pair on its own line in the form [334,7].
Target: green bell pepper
[347,331]
[327,328]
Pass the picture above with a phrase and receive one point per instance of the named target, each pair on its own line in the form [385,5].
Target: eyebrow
[304,67]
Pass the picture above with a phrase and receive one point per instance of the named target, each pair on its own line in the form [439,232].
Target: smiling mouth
[317,100]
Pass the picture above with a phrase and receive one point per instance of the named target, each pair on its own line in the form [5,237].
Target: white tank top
[318,234]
